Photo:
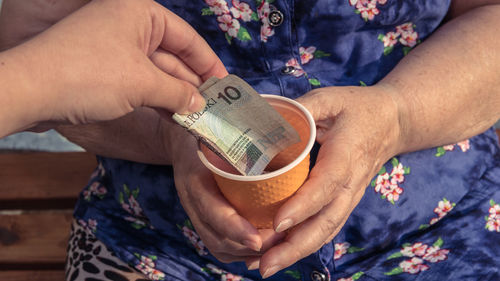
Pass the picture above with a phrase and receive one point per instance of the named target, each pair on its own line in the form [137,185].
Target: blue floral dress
[428,215]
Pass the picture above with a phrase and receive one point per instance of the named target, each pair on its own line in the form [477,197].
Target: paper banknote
[239,125]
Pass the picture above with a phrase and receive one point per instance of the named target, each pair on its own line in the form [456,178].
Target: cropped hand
[108,58]
[358,131]
[228,236]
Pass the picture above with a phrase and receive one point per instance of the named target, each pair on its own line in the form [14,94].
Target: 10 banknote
[239,125]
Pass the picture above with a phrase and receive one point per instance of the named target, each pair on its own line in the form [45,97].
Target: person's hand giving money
[100,63]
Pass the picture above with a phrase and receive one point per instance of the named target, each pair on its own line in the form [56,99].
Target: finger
[330,175]
[216,211]
[308,237]
[252,263]
[173,66]
[270,238]
[182,40]
[172,94]
[220,246]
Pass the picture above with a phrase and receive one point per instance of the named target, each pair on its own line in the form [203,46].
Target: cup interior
[302,121]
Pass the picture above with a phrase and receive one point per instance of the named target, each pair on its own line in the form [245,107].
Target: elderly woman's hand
[358,130]
[228,236]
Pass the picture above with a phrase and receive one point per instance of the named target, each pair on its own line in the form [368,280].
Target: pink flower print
[345,279]
[403,34]
[147,262]
[189,233]
[417,249]
[449,147]
[219,7]
[147,267]
[214,269]
[93,187]
[224,275]
[87,195]
[435,254]
[413,266]
[369,12]
[101,190]
[390,39]
[404,28]
[134,205]
[230,277]
[241,10]
[263,11]
[397,174]
[98,172]
[229,25]
[444,206]
[195,240]
[157,275]
[393,193]
[493,225]
[383,183]
[298,69]
[126,207]
[90,225]
[340,250]
[367,8]
[409,39]
[82,223]
[434,220]
[137,221]
[388,185]
[464,145]
[306,54]
[360,3]
[494,212]
[265,32]
[493,220]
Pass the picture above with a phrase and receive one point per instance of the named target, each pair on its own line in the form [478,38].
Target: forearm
[21,20]
[448,88]
[23,101]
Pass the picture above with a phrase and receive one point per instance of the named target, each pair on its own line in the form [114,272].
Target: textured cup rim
[291,165]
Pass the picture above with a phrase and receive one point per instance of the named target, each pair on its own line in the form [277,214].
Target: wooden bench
[38,191]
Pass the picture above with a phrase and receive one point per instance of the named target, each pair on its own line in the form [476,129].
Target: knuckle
[328,226]
[186,91]
[189,37]
[212,245]
[223,258]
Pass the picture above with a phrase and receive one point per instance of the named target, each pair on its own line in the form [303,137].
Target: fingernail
[196,103]
[284,225]
[270,271]
[253,264]
[252,245]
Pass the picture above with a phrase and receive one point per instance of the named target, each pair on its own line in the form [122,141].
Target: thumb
[174,95]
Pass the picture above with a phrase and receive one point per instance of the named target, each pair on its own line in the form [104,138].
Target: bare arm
[448,88]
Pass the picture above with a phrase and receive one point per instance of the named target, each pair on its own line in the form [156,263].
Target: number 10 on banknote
[239,125]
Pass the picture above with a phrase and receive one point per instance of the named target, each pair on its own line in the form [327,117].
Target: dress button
[288,70]
[275,18]
[318,276]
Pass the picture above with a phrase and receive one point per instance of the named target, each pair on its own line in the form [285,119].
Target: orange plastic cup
[257,198]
